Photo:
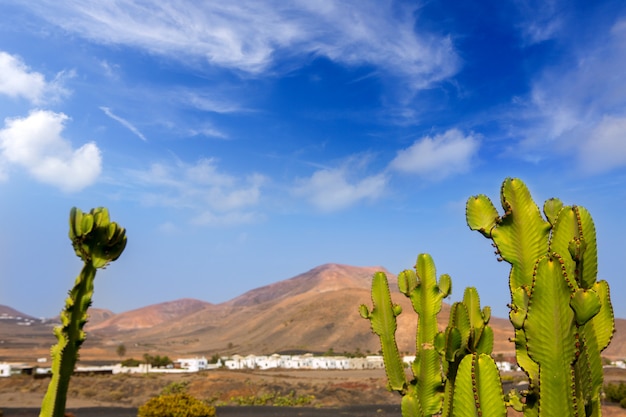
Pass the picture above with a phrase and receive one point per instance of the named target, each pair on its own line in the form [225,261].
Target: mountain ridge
[314,311]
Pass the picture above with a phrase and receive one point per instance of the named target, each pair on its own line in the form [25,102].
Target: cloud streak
[128,125]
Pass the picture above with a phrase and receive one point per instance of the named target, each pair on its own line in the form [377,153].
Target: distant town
[238,362]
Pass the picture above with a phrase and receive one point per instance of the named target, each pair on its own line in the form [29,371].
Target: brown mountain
[9,313]
[314,312]
[98,315]
[146,317]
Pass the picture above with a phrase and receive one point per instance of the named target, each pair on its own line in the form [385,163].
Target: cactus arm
[594,337]
[467,333]
[426,298]
[383,321]
[428,384]
[97,241]
[603,324]
[551,339]
[522,235]
[480,335]
[481,214]
[551,208]
[574,235]
[478,391]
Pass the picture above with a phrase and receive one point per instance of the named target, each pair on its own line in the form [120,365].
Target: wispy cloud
[540,19]
[17,80]
[249,35]
[35,143]
[216,198]
[576,107]
[124,123]
[110,70]
[438,157]
[605,147]
[204,101]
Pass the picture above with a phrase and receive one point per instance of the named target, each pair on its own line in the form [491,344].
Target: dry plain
[344,393]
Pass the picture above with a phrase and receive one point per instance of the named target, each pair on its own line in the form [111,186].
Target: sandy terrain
[334,393]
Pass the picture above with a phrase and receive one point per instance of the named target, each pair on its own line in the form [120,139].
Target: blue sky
[245,143]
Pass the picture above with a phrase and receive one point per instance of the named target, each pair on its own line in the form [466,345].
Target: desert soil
[335,393]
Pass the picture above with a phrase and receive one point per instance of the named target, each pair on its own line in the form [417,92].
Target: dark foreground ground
[235,411]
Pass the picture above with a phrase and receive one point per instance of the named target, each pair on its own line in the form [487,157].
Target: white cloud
[331,189]
[249,35]
[576,107]
[18,80]
[35,143]
[438,157]
[605,147]
[217,198]
[128,125]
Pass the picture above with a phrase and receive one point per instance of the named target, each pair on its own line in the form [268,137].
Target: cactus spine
[561,314]
[97,241]
[453,372]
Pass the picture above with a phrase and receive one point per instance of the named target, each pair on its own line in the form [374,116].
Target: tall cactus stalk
[453,372]
[97,241]
[561,314]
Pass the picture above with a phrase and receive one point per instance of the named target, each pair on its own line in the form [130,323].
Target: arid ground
[332,393]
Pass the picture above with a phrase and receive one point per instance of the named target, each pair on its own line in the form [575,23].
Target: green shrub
[175,388]
[131,363]
[274,399]
[623,403]
[615,393]
[175,405]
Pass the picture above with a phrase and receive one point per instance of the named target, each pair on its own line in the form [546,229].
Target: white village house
[306,361]
[5,369]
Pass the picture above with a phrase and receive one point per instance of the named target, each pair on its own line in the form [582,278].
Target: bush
[275,399]
[175,405]
[131,363]
[615,393]
[175,388]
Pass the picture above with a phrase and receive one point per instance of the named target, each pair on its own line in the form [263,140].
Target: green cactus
[97,241]
[561,314]
[468,333]
[440,368]
[477,388]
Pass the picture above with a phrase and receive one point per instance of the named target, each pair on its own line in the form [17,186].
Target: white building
[505,366]
[192,364]
[5,369]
